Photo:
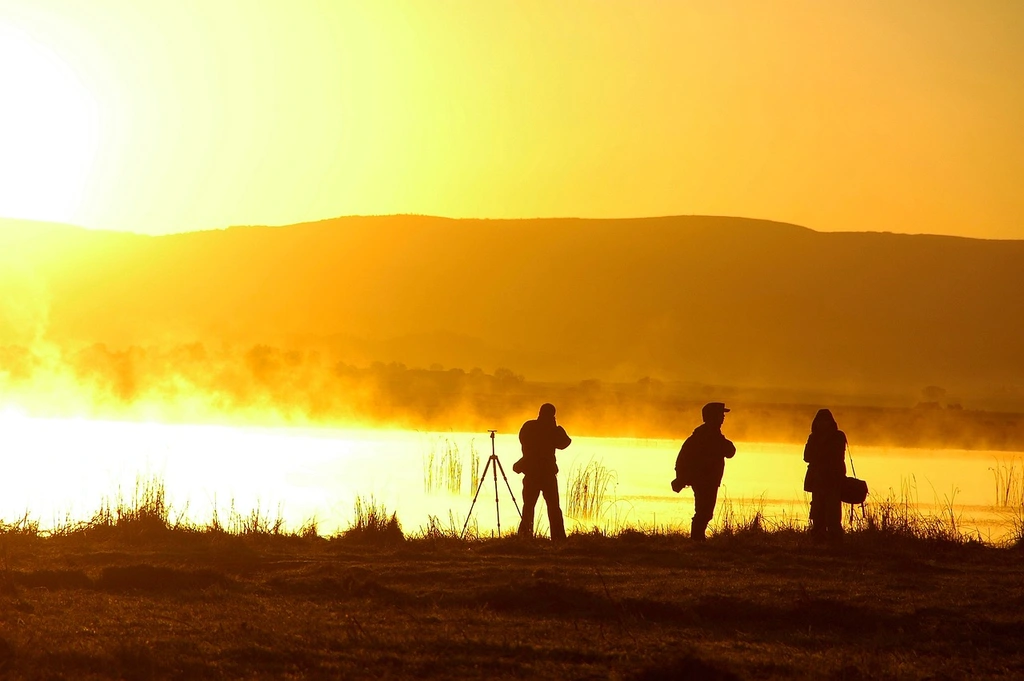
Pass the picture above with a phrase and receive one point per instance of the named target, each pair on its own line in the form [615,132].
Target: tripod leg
[497,513]
[478,486]
[513,494]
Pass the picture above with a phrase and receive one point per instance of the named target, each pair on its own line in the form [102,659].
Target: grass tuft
[256,522]
[373,525]
[436,532]
[900,517]
[146,513]
[310,529]
[25,526]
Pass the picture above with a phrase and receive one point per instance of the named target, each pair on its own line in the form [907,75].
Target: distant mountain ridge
[705,299]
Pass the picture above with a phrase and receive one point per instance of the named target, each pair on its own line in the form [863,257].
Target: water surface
[61,470]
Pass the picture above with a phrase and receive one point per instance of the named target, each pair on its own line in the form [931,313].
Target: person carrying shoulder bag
[825,454]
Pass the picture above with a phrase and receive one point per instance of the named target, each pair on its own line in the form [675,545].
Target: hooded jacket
[825,454]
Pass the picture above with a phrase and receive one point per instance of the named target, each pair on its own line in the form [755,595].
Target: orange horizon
[839,117]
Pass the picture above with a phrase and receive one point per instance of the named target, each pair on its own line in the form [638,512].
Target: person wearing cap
[540,437]
[701,464]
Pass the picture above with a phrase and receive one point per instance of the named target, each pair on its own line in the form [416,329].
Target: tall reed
[1009,483]
[587,490]
[1009,496]
[474,468]
[442,470]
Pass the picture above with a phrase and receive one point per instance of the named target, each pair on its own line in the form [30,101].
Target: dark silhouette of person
[701,464]
[825,454]
[540,437]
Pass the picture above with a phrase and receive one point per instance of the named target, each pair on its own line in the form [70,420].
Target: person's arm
[521,465]
[562,439]
[728,448]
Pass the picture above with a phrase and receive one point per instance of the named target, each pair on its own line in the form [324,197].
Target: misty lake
[61,470]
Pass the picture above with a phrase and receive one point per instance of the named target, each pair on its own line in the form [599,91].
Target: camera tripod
[495,465]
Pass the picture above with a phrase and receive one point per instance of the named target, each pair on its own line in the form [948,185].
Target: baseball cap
[713,408]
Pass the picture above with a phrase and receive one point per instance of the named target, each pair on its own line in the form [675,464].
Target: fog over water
[62,470]
[291,317]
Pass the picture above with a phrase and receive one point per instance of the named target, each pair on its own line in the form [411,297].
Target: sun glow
[48,131]
[61,470]
[836,116]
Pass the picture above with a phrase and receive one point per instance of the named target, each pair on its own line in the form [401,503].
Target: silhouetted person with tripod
[701,464]
[540,438]
[825,454]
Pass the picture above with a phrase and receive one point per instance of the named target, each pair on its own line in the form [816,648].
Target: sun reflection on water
[61,470]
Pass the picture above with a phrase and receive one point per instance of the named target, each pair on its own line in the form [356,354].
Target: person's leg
[530,494]
[817,516]
[704,499]
[550,490]
[834,517]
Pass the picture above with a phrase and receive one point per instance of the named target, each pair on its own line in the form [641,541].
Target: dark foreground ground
[206,605]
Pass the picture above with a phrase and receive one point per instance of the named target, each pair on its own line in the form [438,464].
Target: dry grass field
[132,596]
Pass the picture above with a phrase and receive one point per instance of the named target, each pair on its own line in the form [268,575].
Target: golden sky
[169,115]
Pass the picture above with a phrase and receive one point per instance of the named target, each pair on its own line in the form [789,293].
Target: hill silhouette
[713,300]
